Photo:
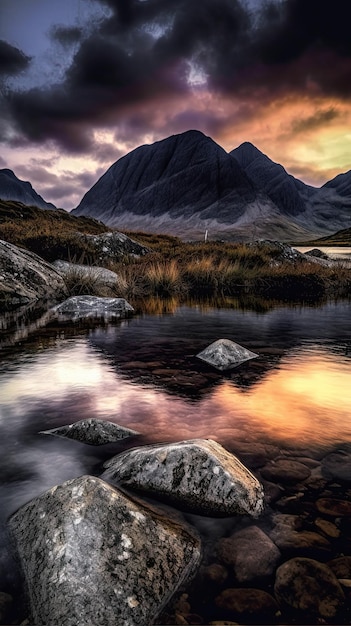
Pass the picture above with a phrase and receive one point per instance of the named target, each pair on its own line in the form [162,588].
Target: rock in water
[225,354]
[78,307]
[92,431]
[198,475]
[93,556]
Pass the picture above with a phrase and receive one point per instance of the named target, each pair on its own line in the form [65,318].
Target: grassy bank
[173,267]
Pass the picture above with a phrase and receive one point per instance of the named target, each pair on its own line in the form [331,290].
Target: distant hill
[12,188]
[187,184]
[340,238]
[341,184]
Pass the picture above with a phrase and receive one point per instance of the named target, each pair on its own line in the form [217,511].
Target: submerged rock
[250,552]
[92,431]
[91,306]
[198,475]
[309,587]
[249,605]
[225,354]
[93,556]
[26,278]
[337,465]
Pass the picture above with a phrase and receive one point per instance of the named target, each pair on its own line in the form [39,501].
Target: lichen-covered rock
[99,275]
[310,587]
[25,277]
[92,306]
[250,552]
[225,354]
[198,475]
[110,245]
[93,556]
[93,431]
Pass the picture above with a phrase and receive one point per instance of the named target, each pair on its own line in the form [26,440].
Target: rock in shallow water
[309,587]
[92,431]
[225,354]
[198,475]
[93,556]
[78,307]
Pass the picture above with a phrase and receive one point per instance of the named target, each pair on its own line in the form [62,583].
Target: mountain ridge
[13,188]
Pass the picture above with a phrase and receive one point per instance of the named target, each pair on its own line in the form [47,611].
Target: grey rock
[26,278]
[78,307]
[250,552]
[317,253]
[91,556]
[225,354]
[337,465]
[197,475]
[98,274]
[310,587]
[115,244]
[93,431]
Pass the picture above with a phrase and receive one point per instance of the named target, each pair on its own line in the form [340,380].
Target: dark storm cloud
[141,52]
[66,35]
[318,120]
[12,60]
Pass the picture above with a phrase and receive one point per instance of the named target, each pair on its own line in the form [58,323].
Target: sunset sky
[83,82]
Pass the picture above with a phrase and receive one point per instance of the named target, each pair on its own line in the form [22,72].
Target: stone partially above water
[92,431]
[78,307]
[225,354]
[197,475]
[92,556]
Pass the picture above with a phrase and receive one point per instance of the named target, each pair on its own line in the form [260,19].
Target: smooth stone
[97,274]
[341,566]
[198,475]
[337,465]
[247,604]
[225,354]
[78,307]
[93,431]
[334,507]
[215,573]
[285,471]
[250,552]
[92,555]
[328,528]
[287,535]
[310,587]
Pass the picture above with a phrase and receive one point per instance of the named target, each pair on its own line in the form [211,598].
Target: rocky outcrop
[91,555]
[25,277]
[197,475]
[225,354]
[79,307]
[99,275]
[12,188]
[93,431]
[115,244]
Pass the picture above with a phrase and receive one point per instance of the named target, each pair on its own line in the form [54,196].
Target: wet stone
[215,574]
[197,475]
[328,528]
[80,307]
[250,552]
[341,566]
[310,587]
[91,555]
[285,471]
[253,605]
[92,431]
[288,535]
[225,354]
[337,466]
[334,507]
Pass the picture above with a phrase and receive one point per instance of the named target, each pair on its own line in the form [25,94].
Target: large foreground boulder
[225,354]
[93,556]
[92,431]
[25,278]
[97,275]
[197,475]
[78,307]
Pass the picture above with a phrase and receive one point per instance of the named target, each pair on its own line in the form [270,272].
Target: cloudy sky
[83,82]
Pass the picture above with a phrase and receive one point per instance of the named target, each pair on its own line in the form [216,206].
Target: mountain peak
[12,188]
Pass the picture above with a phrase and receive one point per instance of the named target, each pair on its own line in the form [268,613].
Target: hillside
[12,188]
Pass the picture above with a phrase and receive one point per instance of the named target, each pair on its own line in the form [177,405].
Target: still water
[143,373]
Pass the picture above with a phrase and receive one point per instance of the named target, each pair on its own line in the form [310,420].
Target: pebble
[247,604]
[334,507]
[285,471]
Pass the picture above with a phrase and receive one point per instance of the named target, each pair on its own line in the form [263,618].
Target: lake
[143,373]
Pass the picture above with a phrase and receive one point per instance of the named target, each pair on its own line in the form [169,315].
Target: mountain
[287,192]
[187,184]
[341,184]
[12,188]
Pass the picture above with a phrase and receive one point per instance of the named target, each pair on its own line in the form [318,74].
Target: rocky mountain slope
[187,184]
[12,188]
